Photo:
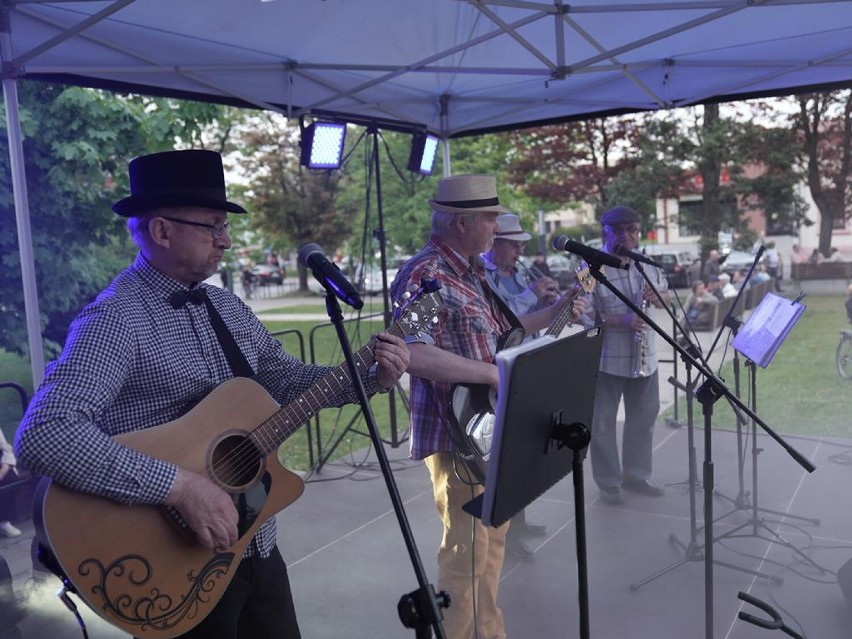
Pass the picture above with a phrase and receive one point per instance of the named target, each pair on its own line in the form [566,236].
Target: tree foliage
[825,123]
[77,143]
[288,201]
[577,161]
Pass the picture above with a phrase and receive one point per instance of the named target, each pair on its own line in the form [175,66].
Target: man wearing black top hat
[149,349]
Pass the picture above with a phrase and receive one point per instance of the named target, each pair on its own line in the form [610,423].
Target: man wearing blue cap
[628,368]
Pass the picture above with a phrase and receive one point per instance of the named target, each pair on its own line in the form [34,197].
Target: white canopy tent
[454,67]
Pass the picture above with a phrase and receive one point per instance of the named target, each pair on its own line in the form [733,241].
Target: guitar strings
[254,447]
[246,453]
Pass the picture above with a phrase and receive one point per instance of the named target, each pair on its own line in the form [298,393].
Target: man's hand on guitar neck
[208,509]
[392,356]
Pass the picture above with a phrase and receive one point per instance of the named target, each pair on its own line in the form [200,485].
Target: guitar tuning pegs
[406,295]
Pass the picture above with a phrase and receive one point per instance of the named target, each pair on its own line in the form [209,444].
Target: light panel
[322,145]
[424,147]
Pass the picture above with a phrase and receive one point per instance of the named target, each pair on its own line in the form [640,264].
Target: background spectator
[816,257]
[835,255]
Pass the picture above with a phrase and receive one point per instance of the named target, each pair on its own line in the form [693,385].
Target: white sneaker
[8,530]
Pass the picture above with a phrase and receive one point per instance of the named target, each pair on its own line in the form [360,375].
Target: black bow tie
[180,298]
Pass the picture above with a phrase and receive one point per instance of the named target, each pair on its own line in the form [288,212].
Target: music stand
[767,327]
[758,340]
[541,432]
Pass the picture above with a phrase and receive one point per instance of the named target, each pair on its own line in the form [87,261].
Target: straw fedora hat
[509,228]
[176,178]
[467,194]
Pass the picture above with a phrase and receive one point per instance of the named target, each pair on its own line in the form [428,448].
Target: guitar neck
[274,431]
[563,317]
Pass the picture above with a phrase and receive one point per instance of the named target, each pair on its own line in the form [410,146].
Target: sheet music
[767,327]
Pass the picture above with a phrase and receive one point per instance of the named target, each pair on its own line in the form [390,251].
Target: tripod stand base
[742,502]
[775,539]
[694,552]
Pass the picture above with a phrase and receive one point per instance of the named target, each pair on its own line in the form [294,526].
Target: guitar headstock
[420,308]
[586,280]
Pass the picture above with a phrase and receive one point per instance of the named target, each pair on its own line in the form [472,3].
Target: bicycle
[844,354]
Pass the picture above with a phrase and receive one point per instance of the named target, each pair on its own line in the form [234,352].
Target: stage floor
[349,566]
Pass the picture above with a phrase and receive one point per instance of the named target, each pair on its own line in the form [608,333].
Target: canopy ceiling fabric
[485,65]
[455,67]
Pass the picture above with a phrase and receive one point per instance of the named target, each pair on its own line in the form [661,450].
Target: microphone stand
[741,500]
[710,391]
[420,608]
[693,550]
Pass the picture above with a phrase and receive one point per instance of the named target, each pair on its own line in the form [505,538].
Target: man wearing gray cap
[628,367]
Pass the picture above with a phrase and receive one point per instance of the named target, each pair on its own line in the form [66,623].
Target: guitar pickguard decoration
[154,610]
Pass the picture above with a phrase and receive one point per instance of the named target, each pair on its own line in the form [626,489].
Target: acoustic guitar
[140,567]
[472,405]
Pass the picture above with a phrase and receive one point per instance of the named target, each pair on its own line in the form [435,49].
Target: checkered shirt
[131,361]
[469,325]
[620,348]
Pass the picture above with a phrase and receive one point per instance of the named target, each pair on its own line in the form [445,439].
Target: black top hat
[176,178]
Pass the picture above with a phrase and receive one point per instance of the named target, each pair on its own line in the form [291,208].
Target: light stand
[420,608]
[395,439]
[708,393]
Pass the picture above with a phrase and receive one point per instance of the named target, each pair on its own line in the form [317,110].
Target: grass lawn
[799,392]
[301,308]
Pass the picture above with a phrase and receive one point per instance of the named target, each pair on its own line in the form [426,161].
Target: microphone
[327,274]
[638,257]
[593,256]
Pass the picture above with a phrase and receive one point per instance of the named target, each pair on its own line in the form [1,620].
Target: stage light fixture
[322,145]
[424,146]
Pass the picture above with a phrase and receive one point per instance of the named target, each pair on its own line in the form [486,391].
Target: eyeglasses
[216,230]
[628,229]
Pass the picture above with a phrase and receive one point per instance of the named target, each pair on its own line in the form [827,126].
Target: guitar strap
[236,360]
[497,301]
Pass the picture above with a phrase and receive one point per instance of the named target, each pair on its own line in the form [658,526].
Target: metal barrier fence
[314,427]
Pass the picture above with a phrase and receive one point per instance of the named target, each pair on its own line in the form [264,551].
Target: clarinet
[640,360]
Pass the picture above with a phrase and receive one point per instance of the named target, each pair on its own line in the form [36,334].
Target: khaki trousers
[466,571]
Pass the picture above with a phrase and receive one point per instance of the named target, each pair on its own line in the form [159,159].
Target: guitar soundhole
[236,462]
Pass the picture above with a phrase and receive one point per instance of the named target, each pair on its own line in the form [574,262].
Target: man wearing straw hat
[521,292]
[461,348]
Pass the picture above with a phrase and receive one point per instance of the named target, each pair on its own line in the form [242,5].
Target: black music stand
[542,431]
[758,340]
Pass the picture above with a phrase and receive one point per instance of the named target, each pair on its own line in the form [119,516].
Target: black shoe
[527,529]
[518,549]
[611,495]
[643,487]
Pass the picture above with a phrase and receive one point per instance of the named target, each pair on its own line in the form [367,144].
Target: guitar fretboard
[274,431]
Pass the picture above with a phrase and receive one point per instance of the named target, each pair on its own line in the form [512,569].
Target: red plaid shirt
[469,325]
